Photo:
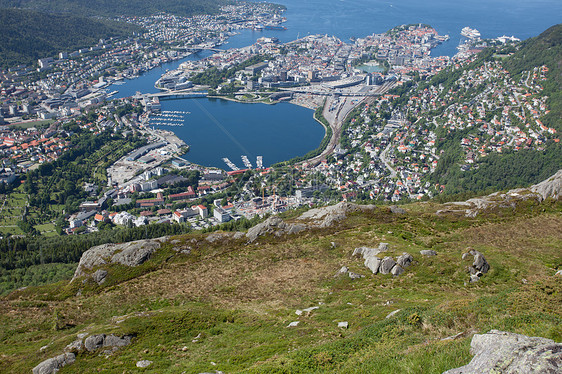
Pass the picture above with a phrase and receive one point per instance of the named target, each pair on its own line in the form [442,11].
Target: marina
[246,162]
[230,164]
[168,118]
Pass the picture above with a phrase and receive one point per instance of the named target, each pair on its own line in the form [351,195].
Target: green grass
[26,125]
[239,298]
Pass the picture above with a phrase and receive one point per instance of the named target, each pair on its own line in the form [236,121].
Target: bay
[216,128]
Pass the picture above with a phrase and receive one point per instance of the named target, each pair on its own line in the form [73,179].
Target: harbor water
[216,129]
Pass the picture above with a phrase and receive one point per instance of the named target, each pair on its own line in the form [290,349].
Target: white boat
[470,33]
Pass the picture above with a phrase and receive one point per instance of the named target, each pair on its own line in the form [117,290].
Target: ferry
[470,33]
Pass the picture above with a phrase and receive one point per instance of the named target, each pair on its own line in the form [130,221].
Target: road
[385,161]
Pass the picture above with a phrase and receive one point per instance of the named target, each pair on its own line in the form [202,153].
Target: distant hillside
[29,35]
[112,8]
[545,49]
[511,169]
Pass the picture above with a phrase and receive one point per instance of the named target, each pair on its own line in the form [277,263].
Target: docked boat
[470,33]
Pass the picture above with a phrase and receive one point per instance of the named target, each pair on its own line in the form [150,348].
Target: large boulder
[273,225]
[329,215]
[95,342]
[387,264]
[53,365]
[509,353]
[405,260]
[373,263]
[479,265]
[128,254]
[552,187]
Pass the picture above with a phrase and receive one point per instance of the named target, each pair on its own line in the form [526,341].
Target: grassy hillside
[111,8]
[226,305]
[28,35]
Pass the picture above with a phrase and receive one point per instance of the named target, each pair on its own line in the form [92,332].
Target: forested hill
[545,49]
[29,35]
[110,8]
[509,168]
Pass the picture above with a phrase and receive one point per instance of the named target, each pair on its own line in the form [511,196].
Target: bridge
[198,49]
[180,94]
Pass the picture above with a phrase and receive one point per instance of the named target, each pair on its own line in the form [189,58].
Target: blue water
[217,128]
[283,131]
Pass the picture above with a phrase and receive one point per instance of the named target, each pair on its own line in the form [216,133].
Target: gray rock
[93,342]
[135,254]
[295,229]
[215,236]
[365,252]
[238,235]
[128,254]
[115,341]
[353,275]
[405,260]
[75,346]
[387,264]
[343,325]
[53,365]
[144,363]
[273,225]
[428,252]
[373,263]
[480,266]
[99,276]
[552,187]
[329,215]
[509,353]
[342,271]
[383,247]
[559,273]
[396,270]
[474,278]
[480,262]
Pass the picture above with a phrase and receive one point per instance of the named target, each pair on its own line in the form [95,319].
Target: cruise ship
[470,33]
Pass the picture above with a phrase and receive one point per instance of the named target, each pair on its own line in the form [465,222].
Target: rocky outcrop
[549,188]
[328,215]
[128,254]
[552,187]
[94,342]
[509,353]
[386,265]
[479,266]
[53,365]
[275,226]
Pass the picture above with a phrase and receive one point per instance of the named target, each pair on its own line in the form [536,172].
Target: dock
[246,162]
[230,164]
